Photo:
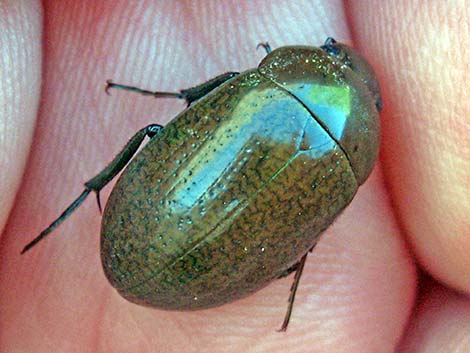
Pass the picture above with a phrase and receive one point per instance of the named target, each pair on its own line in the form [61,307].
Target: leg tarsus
[110,84]
[77,202]
[189,95]
[293,290]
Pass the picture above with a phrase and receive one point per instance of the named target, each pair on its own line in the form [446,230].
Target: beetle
[235,191]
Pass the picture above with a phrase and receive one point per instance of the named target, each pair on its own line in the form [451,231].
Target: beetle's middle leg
[189,95]
[101,179]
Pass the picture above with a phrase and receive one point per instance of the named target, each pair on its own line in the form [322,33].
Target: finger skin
[420,50]
[358,287]
[441,322]
[20,65]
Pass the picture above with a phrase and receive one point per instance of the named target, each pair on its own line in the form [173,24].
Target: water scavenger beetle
[235,191]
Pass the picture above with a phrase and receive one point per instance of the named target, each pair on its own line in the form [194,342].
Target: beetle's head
[356,62]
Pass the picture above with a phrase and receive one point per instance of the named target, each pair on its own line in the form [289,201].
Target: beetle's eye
[331,49]
[330,40]
[379,104]
[337,51]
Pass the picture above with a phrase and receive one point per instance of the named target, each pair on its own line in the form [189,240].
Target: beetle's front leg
[104,177]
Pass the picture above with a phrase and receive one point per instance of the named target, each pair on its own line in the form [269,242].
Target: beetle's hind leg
[99,181]
[189,95]
[299,267]
[291,269]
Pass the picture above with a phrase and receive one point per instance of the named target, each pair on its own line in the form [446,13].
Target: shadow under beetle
[235,191]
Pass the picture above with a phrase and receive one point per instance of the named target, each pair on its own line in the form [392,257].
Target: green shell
[239,186]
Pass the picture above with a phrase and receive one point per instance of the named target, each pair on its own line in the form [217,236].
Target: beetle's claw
[98,200]
[109,84]
[264,45]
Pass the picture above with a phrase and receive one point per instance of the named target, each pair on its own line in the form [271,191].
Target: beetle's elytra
[234,191]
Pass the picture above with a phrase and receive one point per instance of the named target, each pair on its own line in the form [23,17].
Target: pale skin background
[363,289]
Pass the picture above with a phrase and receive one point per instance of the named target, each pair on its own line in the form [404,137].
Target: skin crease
[359,287]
